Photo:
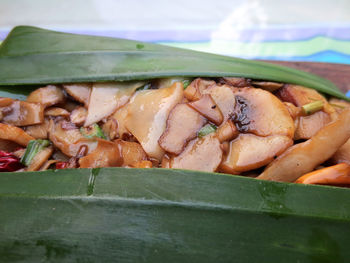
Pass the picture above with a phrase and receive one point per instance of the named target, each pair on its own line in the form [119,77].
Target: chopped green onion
[144,87]
[34,147]
[312,107]
[92,132]
[337,105]
[207,129]
[186,83]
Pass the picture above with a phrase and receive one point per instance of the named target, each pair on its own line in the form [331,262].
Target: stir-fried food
[268,130]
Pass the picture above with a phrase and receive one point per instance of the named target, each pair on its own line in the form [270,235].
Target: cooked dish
[268,130]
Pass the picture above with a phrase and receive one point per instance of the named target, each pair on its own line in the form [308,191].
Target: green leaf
[32,55]
[161,215]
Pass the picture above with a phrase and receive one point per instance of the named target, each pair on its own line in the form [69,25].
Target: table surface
[299,30]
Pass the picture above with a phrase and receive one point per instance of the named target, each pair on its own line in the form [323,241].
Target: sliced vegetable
[201,154]
[224,97]
[78,116]
[194,90]
[47,96]
[131,152]
[40,158]
[147,115]
[302,158]
[261,113]
[333,175]
[308,126]
[208,108]
[93,131]
[21,113]
[106,154]
[227,131]
[207,129]
[33,148]
[182,126]
[15,134]
[312,107]
[106,98]
[79,91]
[248,152]
[56,111]
[342,155]
[39,131]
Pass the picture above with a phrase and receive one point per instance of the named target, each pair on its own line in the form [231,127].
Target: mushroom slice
[131,152]
[79,91]
[182,126]
[304,157]
[68,140]
[120,117]
[268,85]
[224,97]
[259,112]
[236,82]
[106,154]
[338,104]
[203,154]
[106,98]
[227,131]
[342,155]
[55,112]
[195,89]
[21,113]
[47,96]
[15,134]
[148,112]
[248,152]
[298,95]
[307,126]
[78,116]
[39,131]
[208,108]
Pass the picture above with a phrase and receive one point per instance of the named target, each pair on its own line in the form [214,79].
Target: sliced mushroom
[21,113]
[294,111]
[224,97]
[195,89]
[182,126]
[47,96]
[298,95]
[39,131]
[339,105]
[55,112]
[342,155]
[14,134]
[307,126]
[106,98]
[106,154]
[208,108]
[120,117]
[248,152]
[78,116]
[79,91]
[148,112]
[202,154]
[110,128]
[304,157]
[131,152]
[259,112]
[68,141]
[40,158]
[236,82]
[268,85]
[227,131]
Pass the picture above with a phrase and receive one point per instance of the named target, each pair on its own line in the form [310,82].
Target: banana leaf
[31,55]
[155,215]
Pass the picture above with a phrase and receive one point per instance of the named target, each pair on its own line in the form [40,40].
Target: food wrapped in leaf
[114,106]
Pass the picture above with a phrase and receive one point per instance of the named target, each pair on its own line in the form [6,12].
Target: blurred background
[298,30]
